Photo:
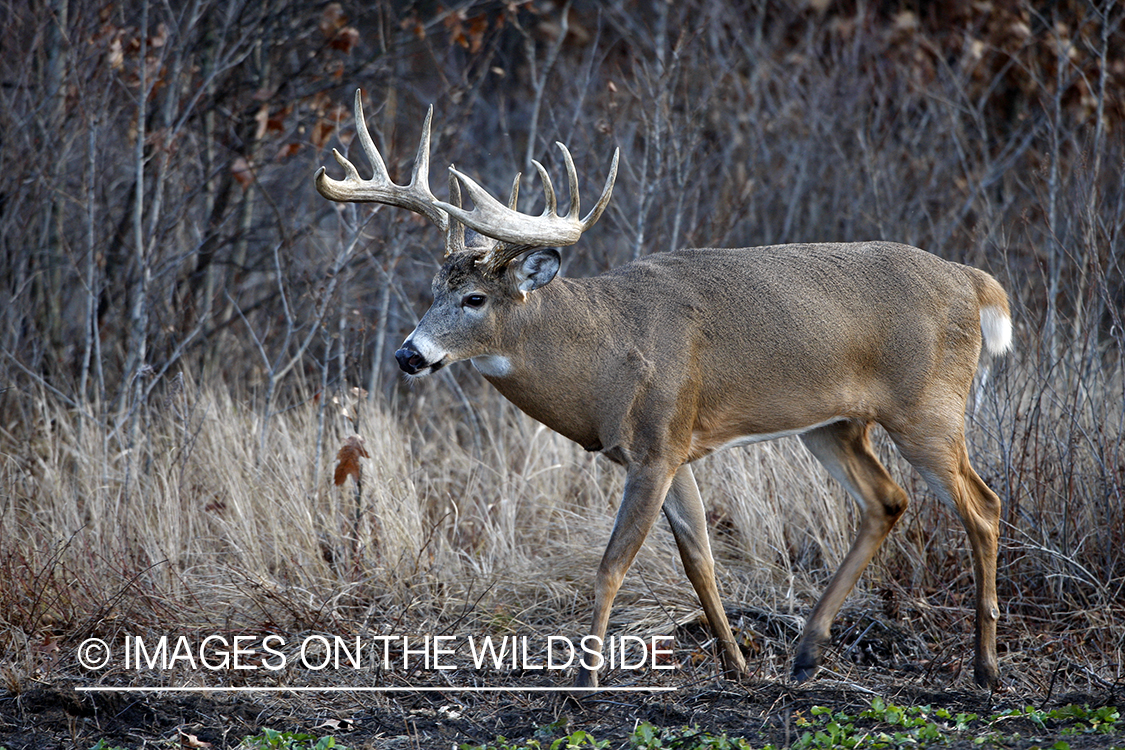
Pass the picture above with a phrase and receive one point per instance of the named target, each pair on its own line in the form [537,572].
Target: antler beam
[505,232]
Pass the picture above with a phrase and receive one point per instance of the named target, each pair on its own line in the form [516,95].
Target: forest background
[190,335]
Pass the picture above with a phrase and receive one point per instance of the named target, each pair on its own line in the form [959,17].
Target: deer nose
[410,359]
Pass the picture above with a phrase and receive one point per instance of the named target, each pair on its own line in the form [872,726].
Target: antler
[415,196]
[505,232]
[516,231]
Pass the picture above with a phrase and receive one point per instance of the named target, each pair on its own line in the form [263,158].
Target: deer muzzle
[410,359]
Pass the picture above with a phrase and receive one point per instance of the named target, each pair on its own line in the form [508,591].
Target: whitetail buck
[677,355]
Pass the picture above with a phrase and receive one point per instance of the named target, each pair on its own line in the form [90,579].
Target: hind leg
[845,451]
[941,458]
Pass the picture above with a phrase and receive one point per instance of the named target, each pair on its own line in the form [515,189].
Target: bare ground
[52,714]
[763,712]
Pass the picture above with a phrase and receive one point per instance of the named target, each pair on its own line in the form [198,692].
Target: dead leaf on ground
[190,740]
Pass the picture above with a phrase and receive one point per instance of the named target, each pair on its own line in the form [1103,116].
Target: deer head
[481,282]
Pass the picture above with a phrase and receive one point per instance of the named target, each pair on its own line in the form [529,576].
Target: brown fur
[661,362]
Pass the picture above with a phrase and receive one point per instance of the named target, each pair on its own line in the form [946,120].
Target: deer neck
[544,364]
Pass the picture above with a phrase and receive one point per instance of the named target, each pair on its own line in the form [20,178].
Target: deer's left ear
[536,269]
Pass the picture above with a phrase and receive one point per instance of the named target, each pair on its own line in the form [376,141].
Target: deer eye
[475,301]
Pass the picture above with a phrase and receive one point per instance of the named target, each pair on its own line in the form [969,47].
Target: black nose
[409,359]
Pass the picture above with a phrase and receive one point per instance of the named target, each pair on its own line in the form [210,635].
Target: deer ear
[536,269]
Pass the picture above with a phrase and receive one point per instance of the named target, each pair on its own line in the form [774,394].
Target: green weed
[271,739]
[577,740]
[919,726]
[649,737]
[882,726]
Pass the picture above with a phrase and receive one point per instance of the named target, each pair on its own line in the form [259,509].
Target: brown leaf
[347,459]
[332,19]
[240,169]
[345,39]
[288,150]
[190,740]
[478,25]
[276,121]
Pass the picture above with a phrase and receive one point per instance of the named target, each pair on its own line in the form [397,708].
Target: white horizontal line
[418,689]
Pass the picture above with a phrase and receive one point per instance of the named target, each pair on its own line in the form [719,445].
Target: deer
[677,355]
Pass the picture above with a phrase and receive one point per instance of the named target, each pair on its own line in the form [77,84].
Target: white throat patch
[492,365]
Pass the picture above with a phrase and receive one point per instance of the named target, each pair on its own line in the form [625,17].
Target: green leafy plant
[882,726]
[886,725]
[649,737]
[1102,720]
[577,740]
[271,739]
[1081,719]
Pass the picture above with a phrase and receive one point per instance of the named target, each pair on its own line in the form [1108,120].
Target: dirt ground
[42,714]
[58,717]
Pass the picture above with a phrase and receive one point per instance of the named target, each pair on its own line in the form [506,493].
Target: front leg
[645,488]
[684,509]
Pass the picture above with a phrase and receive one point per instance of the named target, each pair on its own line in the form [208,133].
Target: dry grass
[498,528]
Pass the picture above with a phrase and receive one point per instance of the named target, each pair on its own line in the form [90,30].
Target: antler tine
[455,235]
[603,200]
[492,219]
[420,176]
[415,196]
[572,178]
[550,202]
[373,155]
[513,197]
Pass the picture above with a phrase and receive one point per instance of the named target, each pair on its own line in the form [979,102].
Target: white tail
[996,327]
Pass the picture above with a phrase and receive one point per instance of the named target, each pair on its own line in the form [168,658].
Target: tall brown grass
[506,531]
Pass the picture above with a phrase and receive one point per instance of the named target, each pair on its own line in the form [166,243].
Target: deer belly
[705,443]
